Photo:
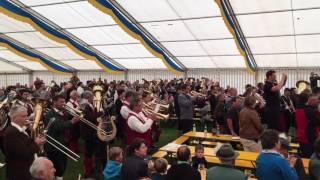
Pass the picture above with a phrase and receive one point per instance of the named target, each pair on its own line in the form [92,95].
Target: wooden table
[243,155]
[222,137]
[204,175]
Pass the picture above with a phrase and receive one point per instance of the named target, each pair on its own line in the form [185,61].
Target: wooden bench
[181,140]
[159,154]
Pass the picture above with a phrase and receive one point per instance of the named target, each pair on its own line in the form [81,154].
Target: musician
[126,103]
[307,124]
[272,96]
[287,109]
[24,101]
[19,147]
[233,116]
[176,106]
[75,130]
[138,125]
[232,93]
[185,102]
[94,147]
[120,121]
[59,130]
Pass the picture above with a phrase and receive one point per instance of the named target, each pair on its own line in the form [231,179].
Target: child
[199,157]
[113,167]
[160,165]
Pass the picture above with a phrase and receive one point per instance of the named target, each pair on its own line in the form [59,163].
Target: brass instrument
[52,84]
[104,131]
[156,107]
[4,119]
[288,107]
[194,93]
[38,129]
[302,85]
[77,113]
[159,115]
[259,99]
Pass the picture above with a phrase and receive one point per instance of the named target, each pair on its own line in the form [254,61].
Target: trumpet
[159,115]
[194,93]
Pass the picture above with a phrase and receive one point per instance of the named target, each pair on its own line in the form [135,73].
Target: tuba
[107,129]
[38,129]
[302,85]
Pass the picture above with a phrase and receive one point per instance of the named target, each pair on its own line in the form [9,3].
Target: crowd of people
[257,116]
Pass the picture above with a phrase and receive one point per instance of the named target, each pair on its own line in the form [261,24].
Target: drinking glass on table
[201,167]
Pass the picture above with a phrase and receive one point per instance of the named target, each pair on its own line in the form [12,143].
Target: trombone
[77,113]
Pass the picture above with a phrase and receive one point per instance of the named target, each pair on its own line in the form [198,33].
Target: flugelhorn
[194,93]
[159,115]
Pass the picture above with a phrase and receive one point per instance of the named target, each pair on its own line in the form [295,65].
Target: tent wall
[150,75]
[234,77]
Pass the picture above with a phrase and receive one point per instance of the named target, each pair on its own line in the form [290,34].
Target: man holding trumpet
[139,125]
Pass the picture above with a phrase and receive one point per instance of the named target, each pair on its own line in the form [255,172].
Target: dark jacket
[158,176]
[196,161]
[87,132]
[186,106]
[225,172]
[120,121]
[133,168]
[58,129]
[183,171]
[19,153]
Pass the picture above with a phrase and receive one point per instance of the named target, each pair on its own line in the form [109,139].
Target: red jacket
[302,123]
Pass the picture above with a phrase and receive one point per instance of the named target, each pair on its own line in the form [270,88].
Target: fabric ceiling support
[107,7]
[19,14]
[27,54]
[231,23]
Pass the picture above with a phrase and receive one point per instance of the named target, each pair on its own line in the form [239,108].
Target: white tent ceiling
[279,33]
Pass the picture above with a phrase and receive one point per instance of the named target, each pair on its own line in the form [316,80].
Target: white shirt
[80,90]
[71,102]
[58,111]
[20,129]
[135,124]
[124,111]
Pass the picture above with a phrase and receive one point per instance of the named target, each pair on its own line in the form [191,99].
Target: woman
[135,167]
[250,126]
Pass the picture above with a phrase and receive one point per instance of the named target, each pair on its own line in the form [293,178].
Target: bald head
[42,168]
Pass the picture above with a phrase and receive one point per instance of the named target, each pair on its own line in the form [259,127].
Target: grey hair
[15,110]
[37,166]
[87,94]
[73,92]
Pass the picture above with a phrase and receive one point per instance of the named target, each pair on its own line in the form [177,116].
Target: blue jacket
[112,171]
[273,166]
